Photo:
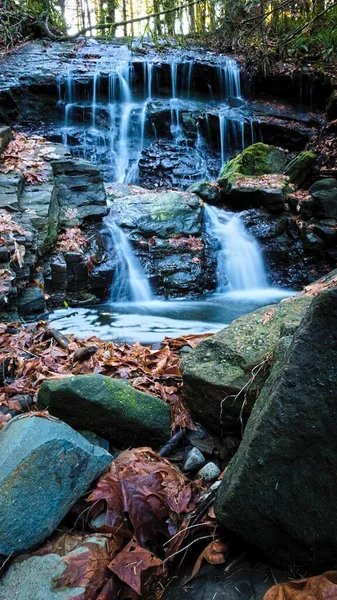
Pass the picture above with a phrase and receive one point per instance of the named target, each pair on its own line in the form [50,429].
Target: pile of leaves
[72,240]
[27,156]
[150,514]
[30,354]
[273,181]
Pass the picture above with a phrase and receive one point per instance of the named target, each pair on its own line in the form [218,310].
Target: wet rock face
[166,232]
[164,164]
[71,193]
[272,493]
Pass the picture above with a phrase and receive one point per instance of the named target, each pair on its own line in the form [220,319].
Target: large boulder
[217,372]
[324,194]
[299,168]
[279,492]
[166,234]
[110,407]
[46,467]
[256,177]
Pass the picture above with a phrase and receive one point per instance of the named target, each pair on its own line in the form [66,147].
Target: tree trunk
[191,14]
[125,28]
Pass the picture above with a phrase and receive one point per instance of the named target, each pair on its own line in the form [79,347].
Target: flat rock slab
[280,489]
[111,408]
[46,467]
[215,372]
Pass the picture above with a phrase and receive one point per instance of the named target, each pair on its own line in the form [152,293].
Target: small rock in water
[194,460]
[209,472]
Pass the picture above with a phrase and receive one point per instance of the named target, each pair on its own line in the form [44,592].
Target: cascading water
[129,282]
[239,260]
[108,112]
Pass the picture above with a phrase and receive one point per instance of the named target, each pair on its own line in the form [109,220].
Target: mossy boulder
[258,159]
[111,408]
[299,168]
[218,369]
[207,191]
[280,489]
[256,177]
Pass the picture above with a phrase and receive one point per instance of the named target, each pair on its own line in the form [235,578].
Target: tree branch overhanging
[45,24]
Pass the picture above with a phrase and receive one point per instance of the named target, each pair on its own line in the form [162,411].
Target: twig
[203,537]
[173,442]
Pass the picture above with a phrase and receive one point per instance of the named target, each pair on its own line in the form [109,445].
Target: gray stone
[324,193]
[46,467]
[34,577]
[210,472]
[216,371]
[5,137]
[194,460]
[79,191]
[31,302]
[279,492]
[110,407]
[11,185]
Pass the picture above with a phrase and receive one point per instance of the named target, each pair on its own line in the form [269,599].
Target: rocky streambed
[231,434]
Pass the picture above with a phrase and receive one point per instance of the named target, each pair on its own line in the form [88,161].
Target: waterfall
[229,79]
[239,260]
[129,282]
[223,138]
[110,121]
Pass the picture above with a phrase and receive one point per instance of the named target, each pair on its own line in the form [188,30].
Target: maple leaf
[320,587]
[133,563]
[86,569]
[147,487]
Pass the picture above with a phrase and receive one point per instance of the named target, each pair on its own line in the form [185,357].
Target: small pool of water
[150,322]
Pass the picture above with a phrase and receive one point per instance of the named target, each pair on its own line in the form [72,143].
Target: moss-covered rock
[258,159]
[216,371]
[208,191]
[111,408]
[299,168]
[280,489]
[255,177]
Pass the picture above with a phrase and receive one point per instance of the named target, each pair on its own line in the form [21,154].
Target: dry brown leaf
[321,587]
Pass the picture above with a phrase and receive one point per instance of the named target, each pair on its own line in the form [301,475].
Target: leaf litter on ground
[145,508]
[29,355]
